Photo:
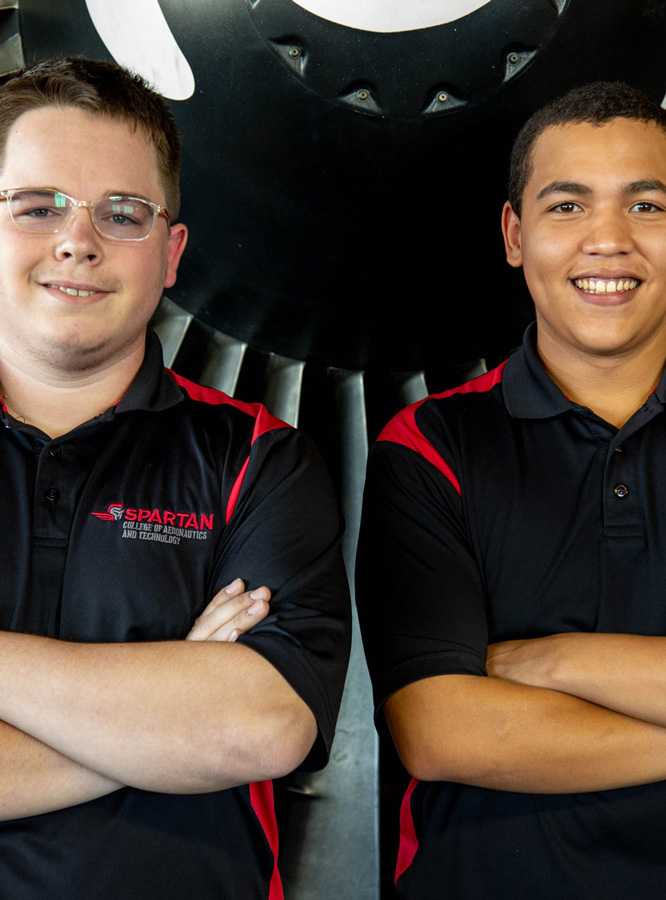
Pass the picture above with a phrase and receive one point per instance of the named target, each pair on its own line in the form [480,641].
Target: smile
[75,292]
[606,285]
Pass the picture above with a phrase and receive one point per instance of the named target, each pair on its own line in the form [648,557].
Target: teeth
[606,285]
[73,292]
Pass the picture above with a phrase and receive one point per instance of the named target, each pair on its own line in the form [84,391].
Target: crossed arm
[82,720]
[567,713]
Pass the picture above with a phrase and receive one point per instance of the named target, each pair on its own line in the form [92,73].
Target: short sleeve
[285,533]
[419,591]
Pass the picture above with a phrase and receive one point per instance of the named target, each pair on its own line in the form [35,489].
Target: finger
[235,589]
[227,611]
[241,623]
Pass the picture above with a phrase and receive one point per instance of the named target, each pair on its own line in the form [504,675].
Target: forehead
[82,153]
[621,151]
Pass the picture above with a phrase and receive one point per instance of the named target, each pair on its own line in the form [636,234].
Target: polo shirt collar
[152,389]
[529,392]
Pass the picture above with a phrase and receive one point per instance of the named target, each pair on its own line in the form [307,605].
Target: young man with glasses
[147,523]
[513,561]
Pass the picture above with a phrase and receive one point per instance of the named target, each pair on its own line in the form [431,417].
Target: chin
[606,345]
[74,351]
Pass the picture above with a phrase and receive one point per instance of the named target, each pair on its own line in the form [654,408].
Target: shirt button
[55,452]
[620,490]
[51,496]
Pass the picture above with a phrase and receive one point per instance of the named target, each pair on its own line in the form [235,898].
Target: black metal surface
[363,232]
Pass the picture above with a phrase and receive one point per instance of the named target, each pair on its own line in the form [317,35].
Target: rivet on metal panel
[516,62]
[292,52]
[363,98]
[443,101]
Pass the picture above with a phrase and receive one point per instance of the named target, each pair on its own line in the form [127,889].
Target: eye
[124,213]
[566,207]
[122,219]
[646,206]
[40,212]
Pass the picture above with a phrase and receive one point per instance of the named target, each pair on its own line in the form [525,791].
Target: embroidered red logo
[114,513]
[166,526]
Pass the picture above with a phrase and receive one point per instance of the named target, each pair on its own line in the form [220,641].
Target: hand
[230,613]
[532,662]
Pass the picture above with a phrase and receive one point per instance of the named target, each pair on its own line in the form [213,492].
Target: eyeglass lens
[116,217]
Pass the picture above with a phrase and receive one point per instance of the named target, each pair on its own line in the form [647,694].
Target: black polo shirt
[502,510]
[123,530]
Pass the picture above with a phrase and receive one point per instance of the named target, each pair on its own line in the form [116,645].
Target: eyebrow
[580,190]
[649,184]
[564,187]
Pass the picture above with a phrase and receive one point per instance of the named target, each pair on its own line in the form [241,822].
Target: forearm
[506,736]
[623,672]
[36,779]
[180,717]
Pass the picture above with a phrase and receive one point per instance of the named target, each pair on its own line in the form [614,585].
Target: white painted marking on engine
[391,15]
[138,37]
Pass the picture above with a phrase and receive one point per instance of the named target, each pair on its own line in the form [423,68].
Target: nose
[77,239]
[609,233]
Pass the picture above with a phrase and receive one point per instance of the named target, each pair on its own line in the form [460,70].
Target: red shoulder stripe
[263,420]
[478,385]
[261,798]
[409,842]
[263,423]
[402,429]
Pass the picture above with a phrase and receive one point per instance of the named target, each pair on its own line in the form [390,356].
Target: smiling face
[75,300]
[592,239]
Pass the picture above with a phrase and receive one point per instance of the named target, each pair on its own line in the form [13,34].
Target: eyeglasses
[117,216]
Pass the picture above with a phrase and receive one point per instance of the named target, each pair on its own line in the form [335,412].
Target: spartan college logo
[166,526]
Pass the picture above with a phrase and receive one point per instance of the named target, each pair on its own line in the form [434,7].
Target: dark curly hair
[595,103]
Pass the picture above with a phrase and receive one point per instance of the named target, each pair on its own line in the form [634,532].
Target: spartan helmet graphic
[112,513]
[116,510]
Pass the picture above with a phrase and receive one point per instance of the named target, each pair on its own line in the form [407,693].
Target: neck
[56,401]
[613,387]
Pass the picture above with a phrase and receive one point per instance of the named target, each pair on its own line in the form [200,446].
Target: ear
[177,242]
[511,231]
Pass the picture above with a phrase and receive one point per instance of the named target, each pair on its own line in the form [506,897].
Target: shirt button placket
[48,521]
